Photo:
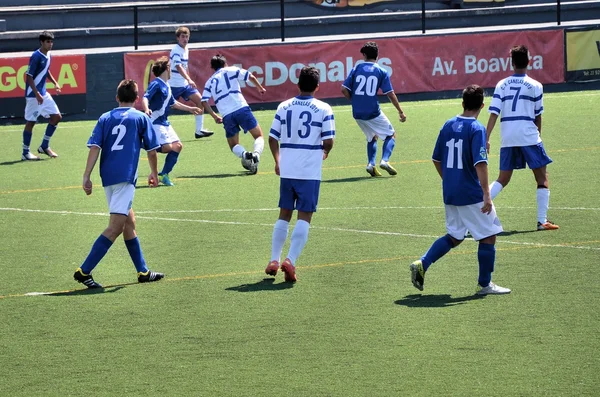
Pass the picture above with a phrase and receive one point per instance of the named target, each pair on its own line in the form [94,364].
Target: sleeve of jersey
[496,103]
[386,84]
[328,129]
[171,100]
[539,101]
[348,82]
[275,131]
[34,64]
[97,135]
[150,91]
[242,75]
[206,94]
[478,147]
[437,150]
[175,59]
[149,136]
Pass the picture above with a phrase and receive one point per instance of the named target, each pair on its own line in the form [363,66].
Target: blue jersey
[120,134]
[39,65]
[160,100]
[363,82]
[461,145]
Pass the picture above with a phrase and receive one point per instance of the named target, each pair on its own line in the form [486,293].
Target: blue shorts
[240,118]
[514,158]
[184,92]
[299,194]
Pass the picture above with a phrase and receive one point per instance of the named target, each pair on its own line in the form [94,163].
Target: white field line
[270,225]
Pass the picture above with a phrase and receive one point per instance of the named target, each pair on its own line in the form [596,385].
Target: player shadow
[91,291]
[266,284]
[511,232]
[148,186]
[352,179]
[443,300]
[19,161]
[214,176]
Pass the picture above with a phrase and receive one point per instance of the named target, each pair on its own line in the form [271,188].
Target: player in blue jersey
[38,102]
[460,157]
[224,87]
[156,103]
[361,88]
[301,137]
[181,83]
[518,100]
[120,134]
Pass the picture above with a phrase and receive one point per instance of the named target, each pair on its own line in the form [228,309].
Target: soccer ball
[250,165]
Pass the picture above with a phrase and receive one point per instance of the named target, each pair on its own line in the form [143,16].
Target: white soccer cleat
[493,289]
[29,157]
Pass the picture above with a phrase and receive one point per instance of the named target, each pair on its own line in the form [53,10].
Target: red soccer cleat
[289,271]
[272,268]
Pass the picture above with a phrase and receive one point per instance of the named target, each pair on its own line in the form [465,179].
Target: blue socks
[486,254]
[49,132]
[135,252]
[99,249]
[439,248]
[26,141]
[170,162]
[388,148]
[372,151]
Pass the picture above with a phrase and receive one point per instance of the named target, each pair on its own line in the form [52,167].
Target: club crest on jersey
[483,153]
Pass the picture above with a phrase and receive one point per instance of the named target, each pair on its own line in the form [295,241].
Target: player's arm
[256,83]
[185,108]
[490,126]
[89,167]
[208,109]
[394,99]
[185,75]
[482,173]
[145,106]
[53,80]
[327,146]
[153,162]
[346,93]
[538,123]
[31,84]
[438,167]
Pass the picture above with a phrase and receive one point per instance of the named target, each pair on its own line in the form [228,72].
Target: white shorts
[165,133]
[120,197]
[379,126]
[459,219]
[33,109]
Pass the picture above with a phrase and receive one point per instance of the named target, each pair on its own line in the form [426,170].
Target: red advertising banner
[415,64]
[68,70]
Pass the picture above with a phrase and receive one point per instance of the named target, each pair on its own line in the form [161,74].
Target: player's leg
[385,131]
[194,96]
[134,248]
[170,144]
[511,158]
[371,136]
[49,109]
[232,133]
[31,115]
[281,227]
[249,123]
[537,160]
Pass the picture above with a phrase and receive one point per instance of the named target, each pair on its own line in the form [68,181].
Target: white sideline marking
[337,229]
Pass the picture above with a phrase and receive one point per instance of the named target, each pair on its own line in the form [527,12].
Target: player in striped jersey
[518,100]
[301,137]
[38,101]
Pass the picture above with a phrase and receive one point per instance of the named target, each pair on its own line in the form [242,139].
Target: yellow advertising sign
[583,55]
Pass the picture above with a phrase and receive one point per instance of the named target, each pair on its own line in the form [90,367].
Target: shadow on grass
[418,300]
[91,291]
[352,179]
[215,176]
[19,161]
[266,284]
[511,232]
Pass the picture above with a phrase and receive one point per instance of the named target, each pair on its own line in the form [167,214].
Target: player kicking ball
[301,138]
[120,135]
[460,157]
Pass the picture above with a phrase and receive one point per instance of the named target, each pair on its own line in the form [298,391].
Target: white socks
[199,122]
[495,188]
[259,145]
[280,232]
[543,201]
[298,240]
[238,150]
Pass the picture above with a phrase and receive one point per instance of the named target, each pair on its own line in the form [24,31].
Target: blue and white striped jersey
[518,99]
[160,100]
[224,87]
[300,126]
[179,56]
[39,65]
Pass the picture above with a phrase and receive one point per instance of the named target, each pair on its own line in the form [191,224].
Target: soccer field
[353,324]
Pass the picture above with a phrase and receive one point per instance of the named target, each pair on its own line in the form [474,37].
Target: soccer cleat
[386,166]
[85,279]
[29,157]
[492,289]
[203,134]
[149,276]
[48,152]
[372,170]
[272,268]
[547,226]
[289,271]
[417,274]
[164,179]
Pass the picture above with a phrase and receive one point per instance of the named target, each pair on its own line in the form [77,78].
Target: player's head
[160,66]
[183,36]
[370,50]
[218,61]
[308,81]
[520,56]
[46,40]
[127,91]
[472,98]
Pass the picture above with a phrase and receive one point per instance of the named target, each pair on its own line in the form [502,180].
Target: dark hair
[370,50]
[45,35]
[309,79]
[127,91]
[160,66]
[472,97]
[182,30]
[218,61]
[520,56]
